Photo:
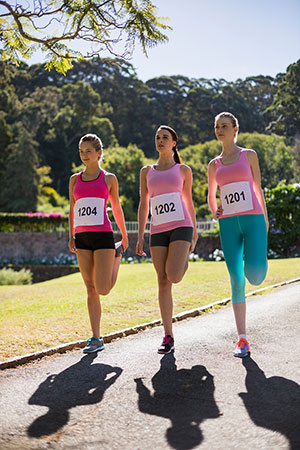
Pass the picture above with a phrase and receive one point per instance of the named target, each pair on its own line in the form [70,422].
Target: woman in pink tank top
[91,235]
[173,235]
[242,216]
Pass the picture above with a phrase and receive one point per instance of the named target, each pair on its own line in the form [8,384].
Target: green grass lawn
[47,314]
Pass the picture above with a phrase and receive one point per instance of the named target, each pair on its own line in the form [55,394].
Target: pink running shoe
[167,345]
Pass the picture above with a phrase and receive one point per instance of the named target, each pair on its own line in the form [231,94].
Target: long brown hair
[176,156]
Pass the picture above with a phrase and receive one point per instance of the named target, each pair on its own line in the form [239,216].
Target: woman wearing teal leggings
[242,216]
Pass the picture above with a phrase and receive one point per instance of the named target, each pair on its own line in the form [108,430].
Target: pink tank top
[236,187]
[90,204]
[168,210]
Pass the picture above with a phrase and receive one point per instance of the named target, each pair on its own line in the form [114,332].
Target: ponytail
[176,156]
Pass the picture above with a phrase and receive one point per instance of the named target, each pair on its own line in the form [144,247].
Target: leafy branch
[112,26]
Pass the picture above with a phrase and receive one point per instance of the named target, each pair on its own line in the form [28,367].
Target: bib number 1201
[165,208]
[234,197]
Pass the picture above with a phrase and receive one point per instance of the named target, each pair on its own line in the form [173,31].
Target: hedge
[41,222]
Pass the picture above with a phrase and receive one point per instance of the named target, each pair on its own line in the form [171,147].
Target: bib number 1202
[87,211]
[165,208]
[234,197]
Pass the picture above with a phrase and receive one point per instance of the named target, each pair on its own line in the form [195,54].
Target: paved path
[128,397]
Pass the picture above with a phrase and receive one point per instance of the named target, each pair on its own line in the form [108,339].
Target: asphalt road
[129,397]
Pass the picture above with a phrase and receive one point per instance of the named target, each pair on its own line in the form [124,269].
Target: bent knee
[255,277]
[103,289]
[174,277]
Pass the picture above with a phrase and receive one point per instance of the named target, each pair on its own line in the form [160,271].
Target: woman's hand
[125,242]
[194,242]
[72,246]
[218,213]
[139,247]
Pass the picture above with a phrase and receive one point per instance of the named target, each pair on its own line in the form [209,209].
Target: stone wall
[38,246]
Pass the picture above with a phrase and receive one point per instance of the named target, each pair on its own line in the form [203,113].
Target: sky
[224,39]
[228,39]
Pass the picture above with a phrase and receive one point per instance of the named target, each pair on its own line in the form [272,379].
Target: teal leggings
[244,244]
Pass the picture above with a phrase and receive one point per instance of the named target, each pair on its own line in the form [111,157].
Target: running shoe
[167,345]
[93,345]
[241,348]
[119,248]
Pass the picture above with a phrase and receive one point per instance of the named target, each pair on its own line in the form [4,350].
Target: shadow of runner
[184,396]
[273,403]
[83,383]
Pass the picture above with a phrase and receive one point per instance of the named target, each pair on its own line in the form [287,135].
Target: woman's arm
[212,190]
[72,247]
[143,210]
[188,199]
[254,164]
[113,187]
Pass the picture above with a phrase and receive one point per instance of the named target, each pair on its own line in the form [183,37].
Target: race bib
[236,198]
[89,211]
[166,208]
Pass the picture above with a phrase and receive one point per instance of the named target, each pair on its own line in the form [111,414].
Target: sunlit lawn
[54,312]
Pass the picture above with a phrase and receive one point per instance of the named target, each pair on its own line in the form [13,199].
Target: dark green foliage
[20,181]
[107,98]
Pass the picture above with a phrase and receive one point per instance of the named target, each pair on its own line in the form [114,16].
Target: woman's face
[224,129]
[88,154]
[164,141]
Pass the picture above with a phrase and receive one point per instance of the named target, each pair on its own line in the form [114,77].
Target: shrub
[283,204]
[10,276]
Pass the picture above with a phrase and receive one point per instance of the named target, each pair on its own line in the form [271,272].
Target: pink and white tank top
[90,204]
[168,210]
[236,187]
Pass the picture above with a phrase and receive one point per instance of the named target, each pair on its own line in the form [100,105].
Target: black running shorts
[94,240]
[177,234]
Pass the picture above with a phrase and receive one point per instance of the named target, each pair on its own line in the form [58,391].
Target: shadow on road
[184,396]
[83,383]
[273,403]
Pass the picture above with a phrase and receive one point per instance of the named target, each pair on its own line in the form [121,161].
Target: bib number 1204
[87,211]
[234,197]
[165,208]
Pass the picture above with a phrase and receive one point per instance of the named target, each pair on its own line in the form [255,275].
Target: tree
[285,109]
[26,27]
[20,182]
[126,164]
[295,151]
[5,140]
[49,200]
[58,117]
[275,157]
